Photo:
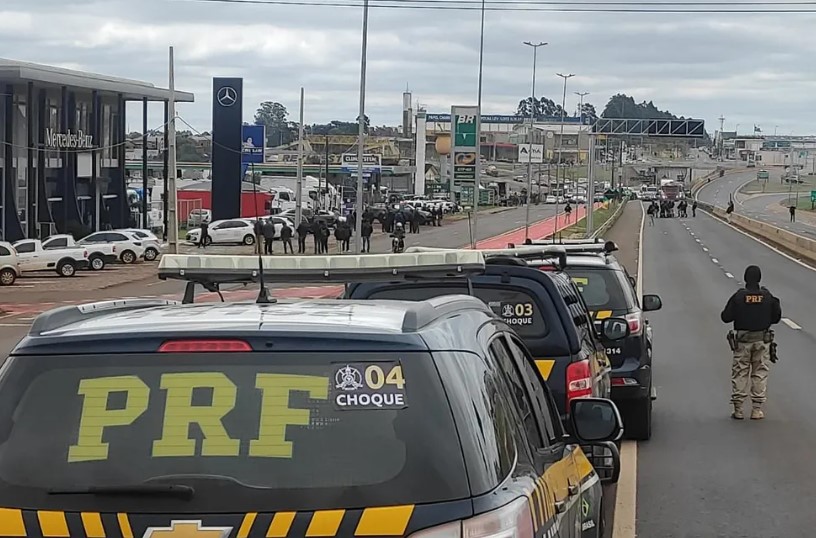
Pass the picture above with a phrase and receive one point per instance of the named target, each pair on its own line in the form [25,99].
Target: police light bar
[577,246]
[216,269]
[525,252]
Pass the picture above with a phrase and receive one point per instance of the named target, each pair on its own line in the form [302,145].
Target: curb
[610,221]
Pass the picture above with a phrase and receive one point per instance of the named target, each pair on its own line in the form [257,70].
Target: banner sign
[253,143]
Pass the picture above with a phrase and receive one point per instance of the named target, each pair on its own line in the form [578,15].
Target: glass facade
[62,161]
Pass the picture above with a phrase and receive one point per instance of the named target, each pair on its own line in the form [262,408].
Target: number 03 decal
[524,310]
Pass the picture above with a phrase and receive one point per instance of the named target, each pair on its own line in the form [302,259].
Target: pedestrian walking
[268,230]
[694,209]
[568,211]
[303,233]
[752,310]
[651,212]
[205,235]
[792,210]
[286,238]
[365,232]
[729,210]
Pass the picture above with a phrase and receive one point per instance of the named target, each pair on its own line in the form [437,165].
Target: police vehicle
[155,419]
[545,309]
[609,291]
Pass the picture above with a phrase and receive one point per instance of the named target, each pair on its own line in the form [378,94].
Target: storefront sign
[69,140]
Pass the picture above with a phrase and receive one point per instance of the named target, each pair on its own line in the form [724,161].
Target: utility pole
[358,240]
[720,145]
[476,191]
[172,201]
[530,141]
[299,191]
[560,145]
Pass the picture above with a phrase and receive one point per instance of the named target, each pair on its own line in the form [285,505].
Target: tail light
[624,382]
[85,254]
[547,268]
[512,520]
[635,323]
[579,380]
[114,248]
[204,346]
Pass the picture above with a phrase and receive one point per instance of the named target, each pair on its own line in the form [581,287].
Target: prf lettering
[180,413]
[753,298]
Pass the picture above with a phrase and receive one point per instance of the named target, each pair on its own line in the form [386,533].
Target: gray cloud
[754,69]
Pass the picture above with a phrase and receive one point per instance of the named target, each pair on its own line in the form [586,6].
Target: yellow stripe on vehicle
[384,521]
[11,522]
[535,507]
[246,524]
[585,467]
[545,501]
[280,525]
[325,523]
[92,522]
[531,504]
[545,367]
[124,525]
[603,314]
[53,524]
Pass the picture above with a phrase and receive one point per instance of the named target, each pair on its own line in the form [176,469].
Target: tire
[638,423]
[128,257]
[249,240]
[66,269]
[7,277]
[151,254]
[96,263]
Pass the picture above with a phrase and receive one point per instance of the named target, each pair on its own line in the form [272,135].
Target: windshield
[344,429]
[602,289]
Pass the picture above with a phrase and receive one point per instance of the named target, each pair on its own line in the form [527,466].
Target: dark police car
[609,291]
[149,419]
[544,308]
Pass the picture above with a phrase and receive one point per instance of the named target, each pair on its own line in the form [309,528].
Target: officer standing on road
[694,209]
[303,233]
[792,210]
[752,310]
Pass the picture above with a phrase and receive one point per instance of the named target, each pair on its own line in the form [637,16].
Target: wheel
[151,254]
[249,239]
[128,257]
[638,422]
[7,277]
[96,263]
[66,268]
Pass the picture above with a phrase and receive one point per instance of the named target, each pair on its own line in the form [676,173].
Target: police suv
[155,419]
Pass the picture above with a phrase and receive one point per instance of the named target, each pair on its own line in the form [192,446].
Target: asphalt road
[759,207]
[704,474]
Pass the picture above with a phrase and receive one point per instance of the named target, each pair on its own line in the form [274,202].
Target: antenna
[263,293]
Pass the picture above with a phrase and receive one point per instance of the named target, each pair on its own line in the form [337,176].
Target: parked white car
[550,199]
[128,247]
[99,254]
[152,244]
[226,231]
[197,216]
[9,264]
[65,262]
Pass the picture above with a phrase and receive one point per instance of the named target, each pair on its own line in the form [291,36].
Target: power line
[546,7]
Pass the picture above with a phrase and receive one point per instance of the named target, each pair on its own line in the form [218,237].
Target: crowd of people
[665,209]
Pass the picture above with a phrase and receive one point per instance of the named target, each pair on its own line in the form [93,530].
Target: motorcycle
[397,245]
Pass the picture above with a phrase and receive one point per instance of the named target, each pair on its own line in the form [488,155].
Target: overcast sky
[753,69]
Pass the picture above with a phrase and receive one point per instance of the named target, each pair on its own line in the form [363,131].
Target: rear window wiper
[147,490]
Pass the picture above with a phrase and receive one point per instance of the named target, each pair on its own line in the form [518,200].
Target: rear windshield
[602,289]
[313,431]
[515,306]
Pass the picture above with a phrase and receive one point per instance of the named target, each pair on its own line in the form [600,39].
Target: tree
[541,107]
[274,116]
[623,106]
[589,113]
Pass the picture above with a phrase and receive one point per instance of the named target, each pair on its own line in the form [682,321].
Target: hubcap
[7,278]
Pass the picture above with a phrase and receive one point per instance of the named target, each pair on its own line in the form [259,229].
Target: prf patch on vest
[754,298]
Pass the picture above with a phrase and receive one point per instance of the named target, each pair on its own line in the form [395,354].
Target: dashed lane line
[792,324]
[729,275]
[715,260]
[705,249]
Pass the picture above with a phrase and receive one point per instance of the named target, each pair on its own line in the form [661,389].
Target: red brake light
[546,268]
[579,380]
[635,324]
[203,346]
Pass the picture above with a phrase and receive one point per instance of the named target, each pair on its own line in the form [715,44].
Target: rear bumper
[638,381]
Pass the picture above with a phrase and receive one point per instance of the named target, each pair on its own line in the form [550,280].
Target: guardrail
[797,245]
[601,231]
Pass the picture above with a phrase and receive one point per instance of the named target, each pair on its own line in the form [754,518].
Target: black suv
[609,291]
[545,309]
[336,419]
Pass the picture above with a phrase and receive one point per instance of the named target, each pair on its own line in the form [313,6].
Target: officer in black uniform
[752,310]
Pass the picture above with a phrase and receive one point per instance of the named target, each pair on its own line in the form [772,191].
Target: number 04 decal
[372,385]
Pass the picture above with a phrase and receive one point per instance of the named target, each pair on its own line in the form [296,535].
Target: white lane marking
[705,249]
[729,275]
[697,240]
[790,323]
[626,496]
[715,260]
[15,325]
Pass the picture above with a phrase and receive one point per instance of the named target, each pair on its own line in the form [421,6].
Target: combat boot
[757,414]
[736,414]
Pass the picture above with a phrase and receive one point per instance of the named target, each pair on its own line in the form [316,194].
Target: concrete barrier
[797,245]
[606,226]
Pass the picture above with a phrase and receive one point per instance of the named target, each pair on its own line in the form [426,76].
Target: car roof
[382,320]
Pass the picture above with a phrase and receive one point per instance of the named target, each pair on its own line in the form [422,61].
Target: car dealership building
[62,164]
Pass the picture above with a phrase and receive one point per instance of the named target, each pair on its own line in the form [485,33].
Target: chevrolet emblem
[187,529]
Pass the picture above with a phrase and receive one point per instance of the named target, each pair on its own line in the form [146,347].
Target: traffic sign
[528,151]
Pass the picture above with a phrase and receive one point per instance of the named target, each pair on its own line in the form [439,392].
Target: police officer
[752,310]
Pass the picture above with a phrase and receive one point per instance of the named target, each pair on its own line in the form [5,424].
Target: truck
[65,262]
[99,254]
[671,190]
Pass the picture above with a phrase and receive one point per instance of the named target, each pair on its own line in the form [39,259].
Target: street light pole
[530,142]
[477,183]
[560,145]
[358,239]
[590,203]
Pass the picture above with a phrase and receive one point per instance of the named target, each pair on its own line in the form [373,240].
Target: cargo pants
[750,366]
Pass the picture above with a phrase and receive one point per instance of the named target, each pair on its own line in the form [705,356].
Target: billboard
[227,152]
[372,162]
[253,143]
[531,153]
[465,142]
[518,120]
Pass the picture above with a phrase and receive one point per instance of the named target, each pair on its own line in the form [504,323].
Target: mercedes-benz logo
[227,96]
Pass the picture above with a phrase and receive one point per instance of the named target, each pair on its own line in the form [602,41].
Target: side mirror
[614,329]
[595,420]
[633,282]
[651,303]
